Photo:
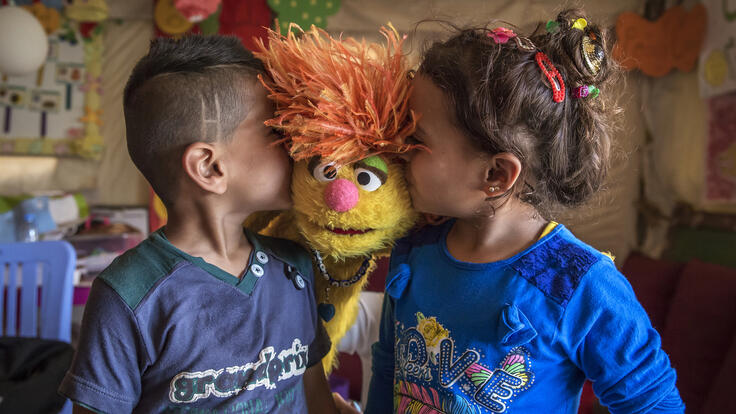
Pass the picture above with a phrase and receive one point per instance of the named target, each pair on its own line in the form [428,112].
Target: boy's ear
[204,166]
[501,174]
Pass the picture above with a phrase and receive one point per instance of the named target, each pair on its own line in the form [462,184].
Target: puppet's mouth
[338,230]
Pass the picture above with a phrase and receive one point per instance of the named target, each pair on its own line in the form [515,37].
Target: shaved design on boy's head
[195,89]
[211,124]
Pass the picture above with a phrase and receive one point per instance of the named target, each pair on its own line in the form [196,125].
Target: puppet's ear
[205,167]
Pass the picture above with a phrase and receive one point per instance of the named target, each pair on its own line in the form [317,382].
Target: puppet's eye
[367,179]
[325,172]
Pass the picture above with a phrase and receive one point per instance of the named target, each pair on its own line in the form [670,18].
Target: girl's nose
[341,195]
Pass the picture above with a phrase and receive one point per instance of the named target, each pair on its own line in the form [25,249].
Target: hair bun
[578,45]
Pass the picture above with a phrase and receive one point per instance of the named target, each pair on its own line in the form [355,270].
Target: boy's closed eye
[413,140]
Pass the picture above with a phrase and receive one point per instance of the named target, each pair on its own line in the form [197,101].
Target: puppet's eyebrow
[376,165]
[375,162]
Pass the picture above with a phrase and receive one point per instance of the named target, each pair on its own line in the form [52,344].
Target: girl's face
[449,179]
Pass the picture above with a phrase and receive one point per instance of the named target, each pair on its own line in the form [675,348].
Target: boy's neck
[489,239]
[207,233]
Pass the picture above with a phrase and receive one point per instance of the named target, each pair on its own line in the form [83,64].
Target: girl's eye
[367,179]
[325,172]
[277,133]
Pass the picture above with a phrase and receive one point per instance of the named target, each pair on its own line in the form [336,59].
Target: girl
[499,309]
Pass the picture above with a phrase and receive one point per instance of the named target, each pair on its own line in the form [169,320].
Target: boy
[201,316]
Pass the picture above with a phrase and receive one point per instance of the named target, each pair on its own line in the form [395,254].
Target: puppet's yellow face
[354,210]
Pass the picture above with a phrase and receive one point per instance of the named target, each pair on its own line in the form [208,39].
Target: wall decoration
[244,19]
[720,174]
[197,10]
[55,110]
[86,10]
[671,42]
[169,20]
[303,12]
[23,41]
[717,71]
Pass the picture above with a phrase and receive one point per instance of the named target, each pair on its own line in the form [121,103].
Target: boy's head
[194,113]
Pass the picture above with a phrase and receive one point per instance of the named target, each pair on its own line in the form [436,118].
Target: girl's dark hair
[503,102]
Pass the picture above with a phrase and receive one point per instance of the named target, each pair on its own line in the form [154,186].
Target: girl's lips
[338,230]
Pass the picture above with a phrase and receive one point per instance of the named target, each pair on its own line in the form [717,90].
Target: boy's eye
[325,172]
[412,140]
[367,179]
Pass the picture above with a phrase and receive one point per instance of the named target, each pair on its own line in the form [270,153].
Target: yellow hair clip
[580,24]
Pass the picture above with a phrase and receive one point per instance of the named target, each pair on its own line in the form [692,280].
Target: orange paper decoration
[655,48]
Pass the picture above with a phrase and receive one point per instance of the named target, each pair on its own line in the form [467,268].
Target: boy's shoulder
[557,264]
[135,272]
[287,251]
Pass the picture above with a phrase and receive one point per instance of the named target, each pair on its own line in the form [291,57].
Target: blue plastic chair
[52,263]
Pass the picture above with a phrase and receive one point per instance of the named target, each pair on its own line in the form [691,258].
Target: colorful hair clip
[525,43]
[580,24]
[553,76]
[584,91]
[501,35]
[592,54]
[552,26]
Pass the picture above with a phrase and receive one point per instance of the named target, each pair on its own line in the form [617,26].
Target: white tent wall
[672,163]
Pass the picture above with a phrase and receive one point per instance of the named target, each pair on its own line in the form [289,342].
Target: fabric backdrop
[671,161]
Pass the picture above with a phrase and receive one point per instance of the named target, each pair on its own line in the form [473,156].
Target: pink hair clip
[583,91]
[553,76]
[501,35]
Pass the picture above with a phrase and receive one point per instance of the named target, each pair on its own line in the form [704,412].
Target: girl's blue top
[519,335]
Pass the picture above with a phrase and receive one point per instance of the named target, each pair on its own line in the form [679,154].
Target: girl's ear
[203,165]
[502,172]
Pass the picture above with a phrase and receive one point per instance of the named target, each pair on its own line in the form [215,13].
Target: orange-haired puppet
[342,106]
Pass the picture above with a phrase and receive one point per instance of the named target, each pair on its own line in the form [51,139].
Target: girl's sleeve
[608,335]
[380,394]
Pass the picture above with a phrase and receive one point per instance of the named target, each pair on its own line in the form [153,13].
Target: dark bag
[31,370]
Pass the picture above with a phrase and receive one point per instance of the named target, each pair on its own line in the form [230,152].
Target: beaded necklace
[327,310]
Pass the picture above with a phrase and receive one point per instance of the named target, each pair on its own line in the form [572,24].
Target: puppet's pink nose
[341,195]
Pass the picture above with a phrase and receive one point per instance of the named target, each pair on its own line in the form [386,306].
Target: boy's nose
[341,195]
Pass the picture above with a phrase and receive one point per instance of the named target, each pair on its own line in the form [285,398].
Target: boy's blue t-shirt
[519,335]
[167,332]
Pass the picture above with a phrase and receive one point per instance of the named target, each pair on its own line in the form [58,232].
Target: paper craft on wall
[656,47]
[244,19]
[717,71]
[56,110]
[720,174]
[305,13]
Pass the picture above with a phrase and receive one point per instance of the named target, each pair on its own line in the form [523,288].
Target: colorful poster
[56,110]
[720,174]
[717,69]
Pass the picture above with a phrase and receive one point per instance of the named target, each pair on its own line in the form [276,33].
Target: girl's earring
[492,189]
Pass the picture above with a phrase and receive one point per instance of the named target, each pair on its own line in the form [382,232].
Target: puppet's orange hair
[341,100]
